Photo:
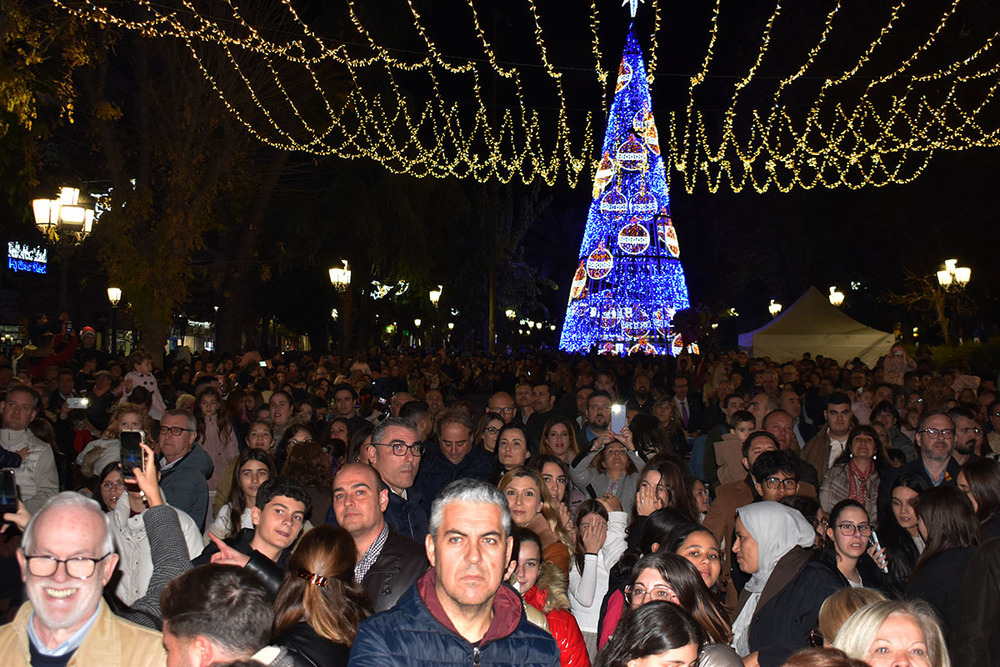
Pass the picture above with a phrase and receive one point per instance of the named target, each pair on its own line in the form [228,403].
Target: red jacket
[546,596]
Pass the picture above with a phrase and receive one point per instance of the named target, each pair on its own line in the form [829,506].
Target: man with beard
[67,557]
[969,437]
[935,443]
[642,399]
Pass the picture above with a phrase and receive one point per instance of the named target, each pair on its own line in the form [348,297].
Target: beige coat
[112,642]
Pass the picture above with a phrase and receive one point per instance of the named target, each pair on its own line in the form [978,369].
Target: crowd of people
[537,508]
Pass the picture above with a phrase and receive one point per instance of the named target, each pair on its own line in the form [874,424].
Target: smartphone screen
[8,492]
[131,452]
[618,421]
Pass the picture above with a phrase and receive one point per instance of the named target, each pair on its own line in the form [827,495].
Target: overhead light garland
[886,133]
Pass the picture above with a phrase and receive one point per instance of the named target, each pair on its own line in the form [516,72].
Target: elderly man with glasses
[395,452]
[66,558]
[185,467]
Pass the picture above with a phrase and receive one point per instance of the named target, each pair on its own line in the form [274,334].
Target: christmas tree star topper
[632,5]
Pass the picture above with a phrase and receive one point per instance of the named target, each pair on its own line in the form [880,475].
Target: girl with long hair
[253,467]
[215,432]
[656,632]
[671,578]
[309,465]
[949,526]
[532,508]
[899,533]
[320,606]
[559,439]
[600,542]
[980,480]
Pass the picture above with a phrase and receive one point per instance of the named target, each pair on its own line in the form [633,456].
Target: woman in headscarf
[772,545]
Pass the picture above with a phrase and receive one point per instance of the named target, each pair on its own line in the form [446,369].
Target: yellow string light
[875,138]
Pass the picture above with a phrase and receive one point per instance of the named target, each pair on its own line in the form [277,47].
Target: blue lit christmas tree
[630,281]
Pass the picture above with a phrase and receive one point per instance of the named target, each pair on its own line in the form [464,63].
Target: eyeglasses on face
[939,432]
[774,482]
[849,529]
[505,411]
[400,448]
[79,567]
[636,595]
[115,486]
[492,430]
[175,430]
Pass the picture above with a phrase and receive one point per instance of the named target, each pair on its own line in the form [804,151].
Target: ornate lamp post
[951,278]
[340,278]
[836,296]
[65,222]
[774,308]
[115,297]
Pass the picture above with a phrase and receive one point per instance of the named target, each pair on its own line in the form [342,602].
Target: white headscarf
[777,529]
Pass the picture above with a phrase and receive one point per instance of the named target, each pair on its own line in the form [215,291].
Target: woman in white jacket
[135,560]
[600,542]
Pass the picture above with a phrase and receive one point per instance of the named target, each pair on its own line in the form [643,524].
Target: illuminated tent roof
[812,324]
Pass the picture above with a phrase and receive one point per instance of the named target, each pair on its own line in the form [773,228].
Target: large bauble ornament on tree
[614,204]
[644,204]
[631,154]
[600,262]
[633,237]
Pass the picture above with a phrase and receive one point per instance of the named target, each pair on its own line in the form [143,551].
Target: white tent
[812,324]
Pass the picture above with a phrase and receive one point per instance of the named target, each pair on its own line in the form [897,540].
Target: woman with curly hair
[319,606]
[532,508]
[99,453]
[309,465]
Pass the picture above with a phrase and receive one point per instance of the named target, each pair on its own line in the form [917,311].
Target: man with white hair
[67,557]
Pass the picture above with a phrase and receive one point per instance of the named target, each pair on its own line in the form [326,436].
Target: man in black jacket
[388,563]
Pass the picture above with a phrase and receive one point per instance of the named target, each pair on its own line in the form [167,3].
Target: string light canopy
[873,96]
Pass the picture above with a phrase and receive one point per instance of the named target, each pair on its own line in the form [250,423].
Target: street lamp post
[115,297]
[340,278]
[65,222]
[836,296]
[951,278]
[774,308]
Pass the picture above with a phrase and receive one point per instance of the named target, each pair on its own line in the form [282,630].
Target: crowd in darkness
[405,507]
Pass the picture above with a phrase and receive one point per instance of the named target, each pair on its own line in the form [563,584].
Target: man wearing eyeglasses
[935,445]
[502,405]
[66,559]
[395,452]
[185,467]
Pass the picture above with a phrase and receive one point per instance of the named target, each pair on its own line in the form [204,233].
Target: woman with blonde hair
[838,607]
[320,606]
[532,508]
[884,632]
